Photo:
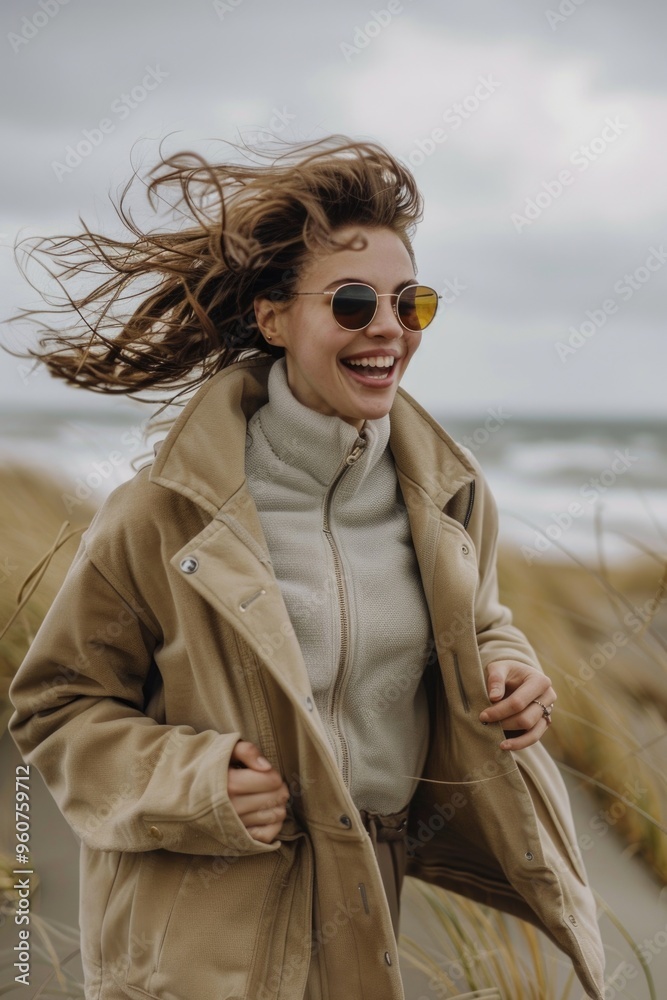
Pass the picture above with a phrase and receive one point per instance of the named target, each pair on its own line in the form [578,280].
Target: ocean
[565,488]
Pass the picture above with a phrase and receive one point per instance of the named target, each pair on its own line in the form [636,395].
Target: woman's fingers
[526,739]
[261,808]
[524,700]
[529,716]
[265,810]
[245,781]
[265,834]
[528,694]
[247,754]
[534,686]
[258,794]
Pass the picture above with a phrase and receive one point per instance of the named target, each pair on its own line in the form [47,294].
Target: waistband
[390,826]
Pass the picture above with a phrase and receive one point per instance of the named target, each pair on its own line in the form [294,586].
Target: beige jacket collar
[203,454]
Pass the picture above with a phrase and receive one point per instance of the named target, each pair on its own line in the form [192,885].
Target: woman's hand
[514,687]
[257,792]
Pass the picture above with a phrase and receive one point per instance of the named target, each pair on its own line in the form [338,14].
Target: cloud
[556,92]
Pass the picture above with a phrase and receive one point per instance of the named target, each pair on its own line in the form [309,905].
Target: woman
[278,677]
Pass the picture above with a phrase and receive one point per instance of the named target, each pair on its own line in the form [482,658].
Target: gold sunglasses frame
[378,296]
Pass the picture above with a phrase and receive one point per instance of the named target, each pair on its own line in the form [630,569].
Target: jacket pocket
[220,926]
[132,930]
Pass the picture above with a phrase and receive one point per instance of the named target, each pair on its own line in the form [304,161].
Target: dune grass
[480,949]
[49,939]
[600,635]
[33,520]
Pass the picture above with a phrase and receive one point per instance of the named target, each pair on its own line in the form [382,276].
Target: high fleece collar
[203,454]
[311,441]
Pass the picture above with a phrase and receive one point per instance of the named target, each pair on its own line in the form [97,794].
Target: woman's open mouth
[371,370]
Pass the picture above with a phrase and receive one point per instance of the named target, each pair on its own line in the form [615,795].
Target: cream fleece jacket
[355,599]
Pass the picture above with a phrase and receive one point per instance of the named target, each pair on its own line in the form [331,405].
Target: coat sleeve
[497,637]
[122,781]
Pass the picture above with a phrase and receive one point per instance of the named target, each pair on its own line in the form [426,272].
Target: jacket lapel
[203,458]
[203,455]
[236,577]
[434,476]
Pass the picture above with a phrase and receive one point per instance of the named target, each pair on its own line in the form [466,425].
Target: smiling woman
[307,686]
[348,347]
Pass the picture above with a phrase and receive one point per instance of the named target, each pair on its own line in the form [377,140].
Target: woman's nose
[385,322]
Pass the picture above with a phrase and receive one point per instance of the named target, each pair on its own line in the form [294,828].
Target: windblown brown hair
[248,230]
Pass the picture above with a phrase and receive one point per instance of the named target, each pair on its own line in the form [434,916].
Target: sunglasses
[355,304]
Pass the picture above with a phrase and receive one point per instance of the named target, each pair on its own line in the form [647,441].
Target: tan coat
[169,641]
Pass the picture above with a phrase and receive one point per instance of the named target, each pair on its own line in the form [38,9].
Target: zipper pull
[356,452]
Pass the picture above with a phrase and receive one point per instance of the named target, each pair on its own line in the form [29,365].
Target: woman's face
[315,346]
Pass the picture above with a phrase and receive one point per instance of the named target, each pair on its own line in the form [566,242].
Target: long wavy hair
[245,230]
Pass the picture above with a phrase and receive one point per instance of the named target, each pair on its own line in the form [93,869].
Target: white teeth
[379,362]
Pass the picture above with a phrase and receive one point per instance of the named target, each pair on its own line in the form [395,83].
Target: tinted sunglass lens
[354,306]
[417,306]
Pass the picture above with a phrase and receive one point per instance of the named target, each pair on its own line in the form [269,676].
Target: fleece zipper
[342,749]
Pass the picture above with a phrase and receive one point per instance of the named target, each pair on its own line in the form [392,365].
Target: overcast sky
[536,132]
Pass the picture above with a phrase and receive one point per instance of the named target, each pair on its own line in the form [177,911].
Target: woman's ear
[268,314]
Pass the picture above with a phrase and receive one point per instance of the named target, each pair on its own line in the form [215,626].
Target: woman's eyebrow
[343,281]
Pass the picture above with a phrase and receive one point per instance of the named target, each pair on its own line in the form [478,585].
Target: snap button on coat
[189,565]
